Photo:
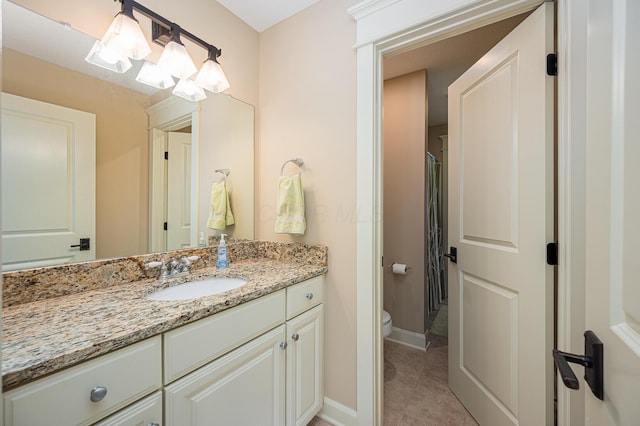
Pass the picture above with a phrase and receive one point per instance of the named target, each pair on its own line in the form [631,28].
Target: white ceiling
[262,14]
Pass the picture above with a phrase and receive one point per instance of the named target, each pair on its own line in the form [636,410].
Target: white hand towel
[220,215]
[290,206]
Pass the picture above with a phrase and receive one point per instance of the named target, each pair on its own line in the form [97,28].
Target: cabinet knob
[295,337]
[98,393]
[309,296]
[283,345]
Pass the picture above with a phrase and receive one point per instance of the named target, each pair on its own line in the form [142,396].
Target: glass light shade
[155,76]
[105,57]
[124,34]
[189,90]
[176,61]
[211,77]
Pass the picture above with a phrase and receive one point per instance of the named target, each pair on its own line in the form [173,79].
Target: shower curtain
[437,288]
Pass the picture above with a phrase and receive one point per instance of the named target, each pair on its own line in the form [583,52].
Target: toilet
[387,324]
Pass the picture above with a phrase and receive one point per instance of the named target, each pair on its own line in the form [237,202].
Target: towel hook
[297,161]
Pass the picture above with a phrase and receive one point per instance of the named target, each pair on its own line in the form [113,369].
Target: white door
[500,220]
[179,191]
[48,183]
[612,288]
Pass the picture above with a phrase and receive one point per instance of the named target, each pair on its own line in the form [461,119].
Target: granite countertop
[45,336]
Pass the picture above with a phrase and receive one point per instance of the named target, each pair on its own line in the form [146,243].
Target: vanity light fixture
[189,90]
[124,40]
[211,76]
[151,74]
[175,59]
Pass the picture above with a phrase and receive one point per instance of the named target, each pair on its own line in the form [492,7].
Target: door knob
[452,255]
[592,361]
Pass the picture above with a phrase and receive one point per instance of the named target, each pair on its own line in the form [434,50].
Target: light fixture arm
[129,5]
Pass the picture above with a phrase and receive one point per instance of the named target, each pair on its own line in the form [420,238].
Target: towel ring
[224,172]
[297,161]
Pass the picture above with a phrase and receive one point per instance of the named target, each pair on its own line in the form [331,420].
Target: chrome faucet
[175,267]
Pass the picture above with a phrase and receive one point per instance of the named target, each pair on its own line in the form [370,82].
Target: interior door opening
[442,61]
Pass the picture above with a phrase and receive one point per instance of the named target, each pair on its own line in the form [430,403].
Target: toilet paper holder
[393,263]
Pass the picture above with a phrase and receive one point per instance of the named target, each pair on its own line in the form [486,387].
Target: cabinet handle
[98,393]
[153,424]
[309,296]
[295,337]
[283,345]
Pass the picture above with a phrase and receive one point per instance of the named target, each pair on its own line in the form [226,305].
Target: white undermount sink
[196,289]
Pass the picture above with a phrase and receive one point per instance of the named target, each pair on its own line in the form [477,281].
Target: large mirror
[43,61]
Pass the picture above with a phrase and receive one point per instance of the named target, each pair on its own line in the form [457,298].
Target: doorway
[382,32]
[173,154]
[409,374]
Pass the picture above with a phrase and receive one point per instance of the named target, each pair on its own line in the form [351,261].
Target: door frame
[169,115]
[388,27]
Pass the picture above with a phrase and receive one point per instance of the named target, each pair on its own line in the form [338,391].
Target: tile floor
[415,387]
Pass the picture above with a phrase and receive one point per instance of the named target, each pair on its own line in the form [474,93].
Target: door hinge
[552,253]
[166,226]
[552,64]
[166,155]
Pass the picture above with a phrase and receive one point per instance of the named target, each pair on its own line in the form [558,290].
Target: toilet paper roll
[399,268]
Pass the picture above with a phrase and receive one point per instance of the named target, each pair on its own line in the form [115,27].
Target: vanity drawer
[304,296]
[191,346]
[64,398]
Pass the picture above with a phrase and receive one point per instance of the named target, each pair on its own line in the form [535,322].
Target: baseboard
[337,414]
[409,338]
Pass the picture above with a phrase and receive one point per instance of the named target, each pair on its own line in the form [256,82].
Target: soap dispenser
[223,261]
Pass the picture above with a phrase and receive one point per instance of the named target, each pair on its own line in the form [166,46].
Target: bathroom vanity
[110,356]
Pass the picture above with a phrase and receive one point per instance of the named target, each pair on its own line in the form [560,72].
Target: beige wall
[122,170]
[308,109]
[404,133]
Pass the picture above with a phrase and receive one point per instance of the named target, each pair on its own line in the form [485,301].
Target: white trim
[368,7]
[408,338]
[337,414]
[405,36]
[385,19]
[571,195]
[369,242]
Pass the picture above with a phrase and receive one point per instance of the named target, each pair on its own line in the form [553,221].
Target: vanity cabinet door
[147,412]
[305,366]
[244,387]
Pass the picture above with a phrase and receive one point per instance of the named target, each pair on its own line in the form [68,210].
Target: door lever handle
[452,255]
[85,244]
[592,361]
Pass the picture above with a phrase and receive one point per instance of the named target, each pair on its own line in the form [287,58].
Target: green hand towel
[290,206]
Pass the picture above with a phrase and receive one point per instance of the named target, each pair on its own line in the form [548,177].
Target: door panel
[179,191]
[500,219]
[612,242]
[48,183]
